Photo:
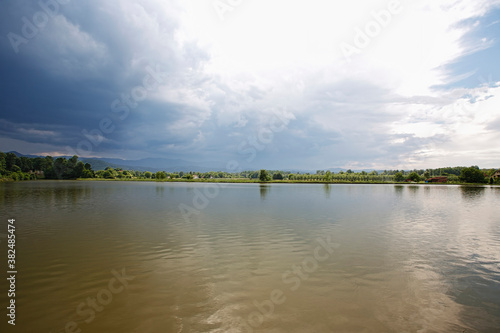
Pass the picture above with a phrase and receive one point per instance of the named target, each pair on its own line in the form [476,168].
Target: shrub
[472,175]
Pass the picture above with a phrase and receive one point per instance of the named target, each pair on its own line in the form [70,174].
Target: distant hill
[160,164]
[146,164]
[98,164]
[334,170]
[167,164]
[22,155]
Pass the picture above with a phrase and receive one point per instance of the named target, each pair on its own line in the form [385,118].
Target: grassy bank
[256,181]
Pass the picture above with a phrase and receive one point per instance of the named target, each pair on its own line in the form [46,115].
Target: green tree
[413,176]
[15,176]
[328,176]
[160,175]
[148,174]
[278,176]
[72,161]
[264,176]
[108,174]
[398,177]
[10,161]
[2,162]
[60,168]
[472,175]
[37,163]
[48,163]
[87,173]
[25,163]
[78,170]
[254,175]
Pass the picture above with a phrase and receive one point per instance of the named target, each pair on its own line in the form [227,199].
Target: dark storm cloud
[67,75]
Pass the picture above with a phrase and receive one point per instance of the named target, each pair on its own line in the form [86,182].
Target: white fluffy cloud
[386,91]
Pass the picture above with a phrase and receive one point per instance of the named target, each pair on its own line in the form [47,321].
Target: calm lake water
[191,257]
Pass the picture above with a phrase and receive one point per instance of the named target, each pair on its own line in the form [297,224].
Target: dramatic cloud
[286,84]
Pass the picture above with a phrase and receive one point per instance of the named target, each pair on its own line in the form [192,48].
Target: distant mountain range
[162,164]
[145,164]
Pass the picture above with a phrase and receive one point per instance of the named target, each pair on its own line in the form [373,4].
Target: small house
[496,174]
[439,179]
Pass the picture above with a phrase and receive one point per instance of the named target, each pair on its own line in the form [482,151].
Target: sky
[256,84]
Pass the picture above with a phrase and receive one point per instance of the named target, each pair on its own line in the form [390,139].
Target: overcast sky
[266,84]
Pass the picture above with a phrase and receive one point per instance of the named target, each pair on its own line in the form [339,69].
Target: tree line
[455,175]
[26,168]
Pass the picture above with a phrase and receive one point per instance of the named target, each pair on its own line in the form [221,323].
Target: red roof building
[439,179]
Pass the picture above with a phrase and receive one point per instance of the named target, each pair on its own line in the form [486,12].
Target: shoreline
[249,181]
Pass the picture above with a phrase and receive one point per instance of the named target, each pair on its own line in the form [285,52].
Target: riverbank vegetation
[13,167]
[17,168]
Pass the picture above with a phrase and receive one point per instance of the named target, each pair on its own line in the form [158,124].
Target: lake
[197,257]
